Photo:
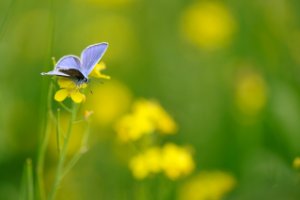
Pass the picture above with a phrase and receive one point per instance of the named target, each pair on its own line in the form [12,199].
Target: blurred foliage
[226,71]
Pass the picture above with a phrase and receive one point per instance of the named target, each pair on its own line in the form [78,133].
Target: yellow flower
[296,163]
[152,111]
[146,163]
[87,114]
[207,185]
[251,93]
[133,127]
[146,118]
[153,159]
[208,24]
[176,161]
[97,71]
[69,89]
[139,167]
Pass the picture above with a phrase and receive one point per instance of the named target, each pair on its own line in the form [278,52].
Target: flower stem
[43,147]
[62,156]
[23,185]
[29,179]
[65,107]
[58,132]
[83,149]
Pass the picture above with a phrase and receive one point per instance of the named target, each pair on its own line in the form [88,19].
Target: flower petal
[83,85]
[77,97]
[97,71]
[61,95]
[66,83]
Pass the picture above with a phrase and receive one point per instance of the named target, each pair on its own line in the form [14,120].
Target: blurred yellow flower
[146,163]
[96,73]
[87,114]
[152,111]
[296,163]
[207,185]
[153,159]
[146,118]
[139,167]
[133,127]
[251,93]
[109,102]
[69,89]
[208,24]
[174,161]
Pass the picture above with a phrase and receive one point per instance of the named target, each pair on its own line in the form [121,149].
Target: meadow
[193,100]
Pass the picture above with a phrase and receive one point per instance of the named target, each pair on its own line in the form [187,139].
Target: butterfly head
[81,81]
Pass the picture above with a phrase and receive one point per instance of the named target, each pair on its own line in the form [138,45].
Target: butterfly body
[75,74]
[78,69]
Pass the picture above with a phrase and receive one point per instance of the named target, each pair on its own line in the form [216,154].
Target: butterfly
[78,69]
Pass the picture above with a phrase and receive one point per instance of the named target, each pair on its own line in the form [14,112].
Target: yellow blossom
[139,167]
[146,118]
[176,161]
[208,24]
[96,73]
[251,93]
[69,89]
[133,127]
[146,163]
[87,114]
[296,163]
[152,111]
[153,159]
[207,185]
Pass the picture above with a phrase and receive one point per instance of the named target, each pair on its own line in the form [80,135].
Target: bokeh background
[227,72]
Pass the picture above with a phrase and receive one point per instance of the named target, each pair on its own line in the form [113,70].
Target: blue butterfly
[78,69]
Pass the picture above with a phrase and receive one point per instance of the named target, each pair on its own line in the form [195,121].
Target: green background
[150,56]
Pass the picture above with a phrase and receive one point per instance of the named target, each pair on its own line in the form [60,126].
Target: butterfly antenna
[54,60]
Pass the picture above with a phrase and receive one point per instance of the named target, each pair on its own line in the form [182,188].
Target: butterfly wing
[64,65]
[90,56]
[68,62]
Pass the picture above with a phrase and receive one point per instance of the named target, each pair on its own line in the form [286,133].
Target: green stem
[62,157]
[29,179]
[82,150]
[23,184]
[65,107]
[43,147]
[58,133]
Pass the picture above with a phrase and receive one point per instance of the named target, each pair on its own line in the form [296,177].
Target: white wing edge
[54,73]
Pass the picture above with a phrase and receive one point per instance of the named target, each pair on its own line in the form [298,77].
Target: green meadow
[192,100]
